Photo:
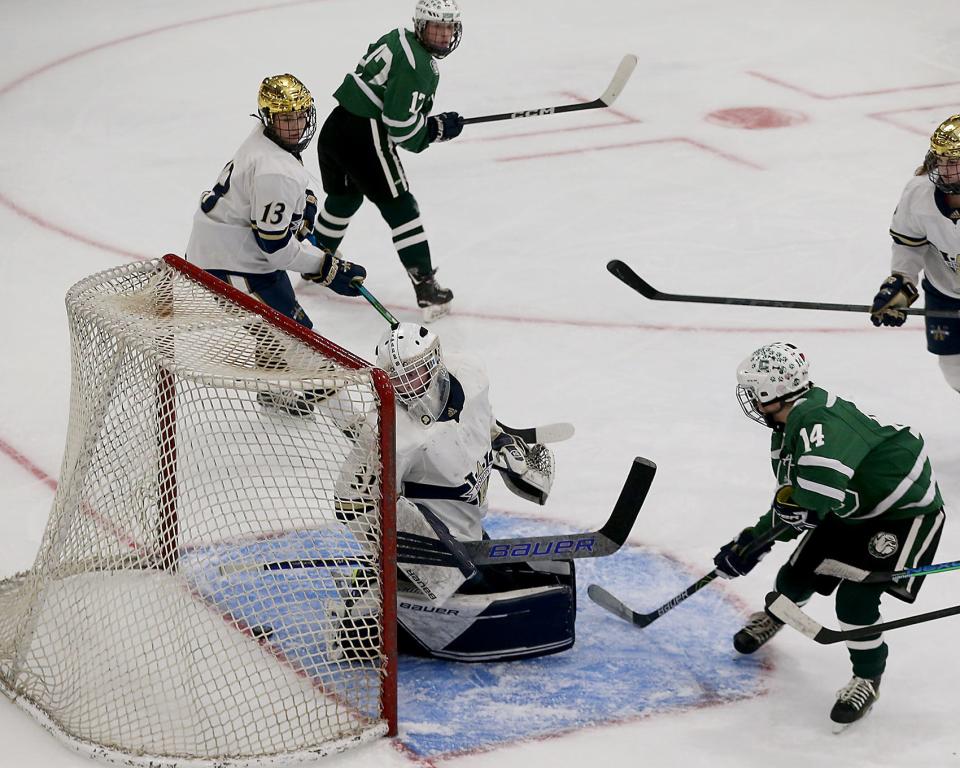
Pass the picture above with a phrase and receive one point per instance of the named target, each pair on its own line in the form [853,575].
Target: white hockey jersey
[446,466]
[248,221]
[926,237]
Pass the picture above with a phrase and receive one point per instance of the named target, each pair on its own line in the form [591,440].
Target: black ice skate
[854,700]
[293,403]
[432,298]
[760,627]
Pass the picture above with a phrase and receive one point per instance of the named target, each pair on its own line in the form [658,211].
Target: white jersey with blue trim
[249,220]
[926,236]
[445,466]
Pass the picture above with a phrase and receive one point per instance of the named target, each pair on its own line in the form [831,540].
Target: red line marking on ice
[852,94]
[28,465]
[628,144]
[884,116]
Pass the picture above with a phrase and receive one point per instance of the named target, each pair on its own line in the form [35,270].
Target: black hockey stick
[617,607]
[790,613]
[520,549]
[627,64]
[545,433]
[421,550]
[384,312]
[623,272]
[850,573]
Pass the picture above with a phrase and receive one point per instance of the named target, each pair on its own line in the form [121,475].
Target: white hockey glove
[526,470]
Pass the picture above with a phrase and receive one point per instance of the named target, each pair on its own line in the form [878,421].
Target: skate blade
[435,312]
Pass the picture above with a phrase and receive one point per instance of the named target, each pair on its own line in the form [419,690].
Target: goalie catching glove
[338,275]
[527,470]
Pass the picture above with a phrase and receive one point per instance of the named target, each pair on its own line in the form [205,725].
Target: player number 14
[815,437]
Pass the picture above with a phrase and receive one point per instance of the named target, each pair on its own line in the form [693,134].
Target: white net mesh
[210,586]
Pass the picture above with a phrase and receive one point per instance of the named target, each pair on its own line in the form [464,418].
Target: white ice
[118,114]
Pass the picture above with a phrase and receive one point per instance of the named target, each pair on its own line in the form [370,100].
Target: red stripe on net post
[387,440]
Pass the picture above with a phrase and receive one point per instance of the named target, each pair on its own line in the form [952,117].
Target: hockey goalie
[448,445]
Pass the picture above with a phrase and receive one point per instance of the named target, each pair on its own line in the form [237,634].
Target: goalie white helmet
[411,356]
[437,26]
[774,373]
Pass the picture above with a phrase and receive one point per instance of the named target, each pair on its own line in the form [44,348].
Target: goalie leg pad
[436,582]
[518,623]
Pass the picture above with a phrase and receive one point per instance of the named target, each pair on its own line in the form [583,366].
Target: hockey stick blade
[616,606]
[790,613]
[545,433]
[521,549]
[625,274]
[624,70]
[850,573]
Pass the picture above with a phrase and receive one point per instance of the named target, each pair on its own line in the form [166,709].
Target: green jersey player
[859,491]
[383,104]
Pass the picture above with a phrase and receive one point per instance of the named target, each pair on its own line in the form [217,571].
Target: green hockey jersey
[394,83]
[842,462]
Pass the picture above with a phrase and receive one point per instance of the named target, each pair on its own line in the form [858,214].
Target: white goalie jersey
[446,466]
[249,220]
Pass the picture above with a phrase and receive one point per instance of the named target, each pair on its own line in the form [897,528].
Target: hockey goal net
[216,584]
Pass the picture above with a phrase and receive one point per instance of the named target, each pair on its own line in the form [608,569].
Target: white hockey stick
[546,433]
[627,64]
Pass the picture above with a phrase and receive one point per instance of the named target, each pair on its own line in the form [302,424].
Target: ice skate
[854,700]
[433,299]
[759,629]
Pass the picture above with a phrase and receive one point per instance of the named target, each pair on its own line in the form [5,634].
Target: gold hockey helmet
[285,106]
[945,141]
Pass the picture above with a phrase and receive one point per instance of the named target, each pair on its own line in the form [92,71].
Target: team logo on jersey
[883,544]
[939,332]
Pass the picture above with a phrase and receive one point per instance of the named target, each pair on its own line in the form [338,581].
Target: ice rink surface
[118,115]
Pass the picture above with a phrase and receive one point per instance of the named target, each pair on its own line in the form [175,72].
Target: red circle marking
[756,118]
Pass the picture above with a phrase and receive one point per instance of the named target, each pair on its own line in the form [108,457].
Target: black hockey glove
[443,127]
[895,294]
[338,275]
[310,211]
[738,557]
[792,514]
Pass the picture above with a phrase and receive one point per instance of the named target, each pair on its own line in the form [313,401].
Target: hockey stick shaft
[384,312]
[790,613]
[606,600]
[412,548]
[851,573]
[546,433]
[627,64]
[624,273]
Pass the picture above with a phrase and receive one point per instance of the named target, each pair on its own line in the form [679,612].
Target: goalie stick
[843,571]
[627,64]
[623,272]
[546,433]
[790,613]
[617,607]
[421,550]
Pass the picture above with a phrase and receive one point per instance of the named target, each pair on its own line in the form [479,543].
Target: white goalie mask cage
[774,372]
[411,356]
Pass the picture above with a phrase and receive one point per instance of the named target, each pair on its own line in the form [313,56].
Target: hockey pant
[358,160]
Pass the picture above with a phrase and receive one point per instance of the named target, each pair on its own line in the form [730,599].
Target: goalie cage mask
[777,372]
[286,109]
[411,356]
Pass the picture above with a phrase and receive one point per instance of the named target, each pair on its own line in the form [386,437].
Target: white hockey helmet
[777,372]
[410,354]
[439,40]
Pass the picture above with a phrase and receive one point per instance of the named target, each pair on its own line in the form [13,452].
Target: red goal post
[129,639]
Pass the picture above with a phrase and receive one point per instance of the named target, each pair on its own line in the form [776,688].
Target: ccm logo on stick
[564,546]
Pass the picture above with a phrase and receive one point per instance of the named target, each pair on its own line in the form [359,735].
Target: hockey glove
[896,293]
[443,127]
[791,513]
[309,218]
[738,557]
[338,275]
[526,470]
